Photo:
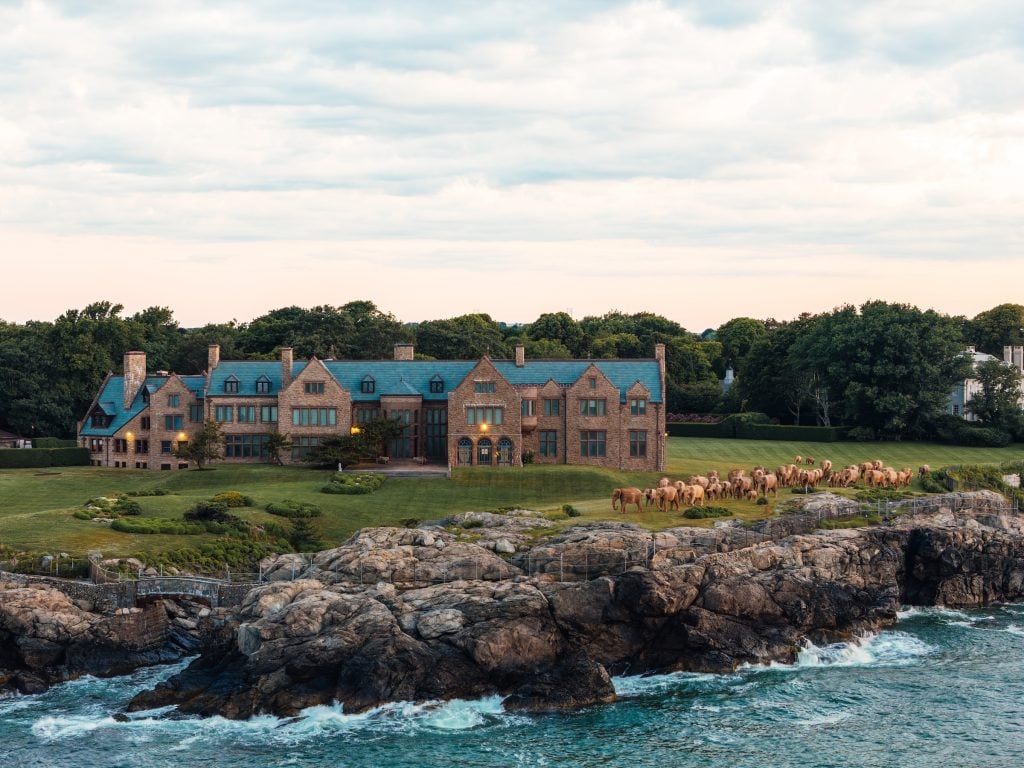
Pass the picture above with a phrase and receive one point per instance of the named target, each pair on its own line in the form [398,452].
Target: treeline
[885,368]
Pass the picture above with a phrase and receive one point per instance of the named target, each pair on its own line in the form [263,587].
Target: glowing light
[355,430]
[483,427]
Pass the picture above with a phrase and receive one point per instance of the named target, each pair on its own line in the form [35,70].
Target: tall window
[246,413]
[195,413]
[437,433]
[365,415]
[637,407]
[549,443]
[144,422]
[552,407]
[224,413]
[493,415]
[528,407]
[314,417]
[231,385]
[142,446]
[465,451]
[173,401]
[262,386]
[368,385]
[592,443]
[268,413]
[592,407]
[173,421]
[593,382]
[483,452]
[504,452]
[313,387]
[637,443]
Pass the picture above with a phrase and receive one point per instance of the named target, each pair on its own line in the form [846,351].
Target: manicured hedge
[24,458]
[748,431]
[53,442]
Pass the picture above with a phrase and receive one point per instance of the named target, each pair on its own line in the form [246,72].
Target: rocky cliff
[368,625]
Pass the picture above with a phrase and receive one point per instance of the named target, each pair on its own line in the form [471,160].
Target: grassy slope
[36,505]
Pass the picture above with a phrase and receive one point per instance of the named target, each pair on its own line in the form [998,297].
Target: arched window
[465,451]
[483,451]
[504,452]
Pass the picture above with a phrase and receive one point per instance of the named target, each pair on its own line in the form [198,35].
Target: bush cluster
[702,513]
[150,492]
[883,494]
[232,499]
[694,418]
[756,426]
[955,431]
[210,512]
[114,505]
[152,525]
[213,557]
[354,485]
[293,509]
[570,510]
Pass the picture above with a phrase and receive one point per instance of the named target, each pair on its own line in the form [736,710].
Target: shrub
[209,511]
[702,513]
[883,494]
[761,501]
[233,499]
[153,525]
[127,507]
[527,457]
[409,522]
[293,509]
[861,434]
[150,492]
[472,523]
[52,442]
[354,485]
[570,510]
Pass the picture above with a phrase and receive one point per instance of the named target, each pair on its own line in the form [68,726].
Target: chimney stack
[286,366]
[404,351]
[212,357]
[520,356]
[134,375]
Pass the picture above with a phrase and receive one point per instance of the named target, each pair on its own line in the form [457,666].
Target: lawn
[36,505]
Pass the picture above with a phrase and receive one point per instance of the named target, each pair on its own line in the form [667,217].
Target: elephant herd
[669,495]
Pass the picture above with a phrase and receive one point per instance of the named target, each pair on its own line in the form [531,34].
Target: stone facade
[605,413]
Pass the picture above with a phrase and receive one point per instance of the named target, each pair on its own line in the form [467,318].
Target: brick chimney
[520,356]
[286,366]
[404,351]
[212,357]
[134,375]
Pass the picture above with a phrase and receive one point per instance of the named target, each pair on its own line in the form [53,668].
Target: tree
[276,445]
[995,328]
[466,337]
[737,337]
[998,404]
[559,327]
[205,445]
[341,450]
[304,536]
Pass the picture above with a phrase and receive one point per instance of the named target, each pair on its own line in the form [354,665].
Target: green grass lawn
[36,505]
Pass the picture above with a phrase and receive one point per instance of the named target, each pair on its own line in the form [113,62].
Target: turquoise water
[943,688]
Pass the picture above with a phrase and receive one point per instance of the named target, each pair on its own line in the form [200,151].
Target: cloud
[869,131]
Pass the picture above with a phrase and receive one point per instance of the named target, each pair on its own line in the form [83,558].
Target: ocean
[941,688]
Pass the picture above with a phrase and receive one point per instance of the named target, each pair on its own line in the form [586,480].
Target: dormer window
[262,386]
[101,420]
[436,385]
[231,385]
[368,385]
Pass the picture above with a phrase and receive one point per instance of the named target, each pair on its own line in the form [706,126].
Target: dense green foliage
[292,508]
[204,446]
[23,458]
[702,513]
[232,499]
[354,485]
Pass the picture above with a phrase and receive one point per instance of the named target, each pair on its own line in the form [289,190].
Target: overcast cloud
[699,159]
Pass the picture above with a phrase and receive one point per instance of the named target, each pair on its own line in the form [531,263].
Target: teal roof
[247,372]
[621,373]
[399,377]
[111,401]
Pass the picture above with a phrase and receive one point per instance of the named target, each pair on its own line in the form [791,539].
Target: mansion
[607,413]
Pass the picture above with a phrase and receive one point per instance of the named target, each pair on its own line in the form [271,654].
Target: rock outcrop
[548,638]
[46,637]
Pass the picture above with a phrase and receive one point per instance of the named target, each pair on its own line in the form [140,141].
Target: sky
[702,160]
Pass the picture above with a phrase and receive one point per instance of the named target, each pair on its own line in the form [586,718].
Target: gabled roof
[247,373]
[623,374]
[111,401]
[399,377]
